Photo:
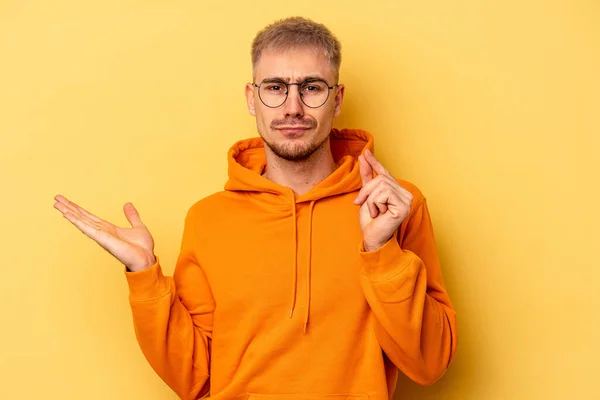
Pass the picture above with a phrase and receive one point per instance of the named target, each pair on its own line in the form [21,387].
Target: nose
[293,106]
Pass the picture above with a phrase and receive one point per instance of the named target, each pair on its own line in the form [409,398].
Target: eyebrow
[298,80]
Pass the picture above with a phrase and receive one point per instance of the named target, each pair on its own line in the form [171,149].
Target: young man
[313,275]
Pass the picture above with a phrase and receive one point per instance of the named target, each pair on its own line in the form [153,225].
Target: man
[308,277]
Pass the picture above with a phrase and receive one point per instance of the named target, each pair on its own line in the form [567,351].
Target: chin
[294,149]
[292,152]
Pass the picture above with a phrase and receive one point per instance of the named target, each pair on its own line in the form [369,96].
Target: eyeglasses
[313,92]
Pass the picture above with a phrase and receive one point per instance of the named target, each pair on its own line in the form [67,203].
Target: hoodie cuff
[385,262]
[147,284]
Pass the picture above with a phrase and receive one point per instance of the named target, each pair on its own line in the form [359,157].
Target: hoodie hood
[247,162]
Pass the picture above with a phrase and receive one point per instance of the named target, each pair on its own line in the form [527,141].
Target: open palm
[134,246]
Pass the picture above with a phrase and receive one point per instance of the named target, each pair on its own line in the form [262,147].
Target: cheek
[325,114]
[264,117]
[328,109]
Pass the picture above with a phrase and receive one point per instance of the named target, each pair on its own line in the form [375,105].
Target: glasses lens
[273,94]
[314,93]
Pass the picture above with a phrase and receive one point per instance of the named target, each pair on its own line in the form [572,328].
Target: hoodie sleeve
[414,322]
[173,320]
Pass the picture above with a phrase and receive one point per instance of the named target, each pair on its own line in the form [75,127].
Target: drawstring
[295,261]
[309,266]
[310,213]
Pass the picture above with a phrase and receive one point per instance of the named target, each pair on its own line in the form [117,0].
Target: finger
[66,205]
[380,198]
[386,199]
[405,195]
[380,180]
[381,206]
[376,165]
[395,204]
[81,224]
[132,215]
[76,208]
[69,209]
[103,238]
[373,210]
[366,172]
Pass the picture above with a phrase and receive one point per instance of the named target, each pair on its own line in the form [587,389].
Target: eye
[275,87]
[313,87]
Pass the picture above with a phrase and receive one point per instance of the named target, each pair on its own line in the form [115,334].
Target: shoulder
[210,206]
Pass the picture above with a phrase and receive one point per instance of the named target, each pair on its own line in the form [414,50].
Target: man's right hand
[134,246]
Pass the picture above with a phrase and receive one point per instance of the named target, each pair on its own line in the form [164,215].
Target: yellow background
[490,107]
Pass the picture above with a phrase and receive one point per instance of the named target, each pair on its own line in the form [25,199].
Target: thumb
[132,215]
[366,171]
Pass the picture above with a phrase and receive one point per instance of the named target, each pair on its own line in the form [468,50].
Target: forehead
[293,63]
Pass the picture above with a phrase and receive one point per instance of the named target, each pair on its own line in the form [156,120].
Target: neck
[300,176]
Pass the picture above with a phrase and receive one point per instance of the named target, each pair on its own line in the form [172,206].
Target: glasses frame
[287,91]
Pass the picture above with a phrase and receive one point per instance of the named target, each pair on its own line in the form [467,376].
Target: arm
[173,320]
[172,317]
[414,322]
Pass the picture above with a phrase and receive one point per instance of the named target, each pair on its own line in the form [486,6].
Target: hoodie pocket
[256,396]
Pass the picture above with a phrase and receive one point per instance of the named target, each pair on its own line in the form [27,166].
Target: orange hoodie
[274,298]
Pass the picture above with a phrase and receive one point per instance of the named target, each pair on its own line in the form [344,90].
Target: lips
[292,130]
[293,126]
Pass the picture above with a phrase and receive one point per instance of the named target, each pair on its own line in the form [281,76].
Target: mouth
[292,130]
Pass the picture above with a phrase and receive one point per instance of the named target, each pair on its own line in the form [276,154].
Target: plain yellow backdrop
[490,107]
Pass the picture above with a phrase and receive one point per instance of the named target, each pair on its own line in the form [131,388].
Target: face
[294,131]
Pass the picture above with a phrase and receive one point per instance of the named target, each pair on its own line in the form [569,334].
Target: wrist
[370,247]
[141,267]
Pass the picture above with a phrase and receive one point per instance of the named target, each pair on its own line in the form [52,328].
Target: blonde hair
[297,32]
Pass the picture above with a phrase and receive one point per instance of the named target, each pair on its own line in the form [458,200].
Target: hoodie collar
[246,162]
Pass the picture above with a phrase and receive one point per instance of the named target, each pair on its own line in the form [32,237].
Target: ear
[250,98]
[339,99]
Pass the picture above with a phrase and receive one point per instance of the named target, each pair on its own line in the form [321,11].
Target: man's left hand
[384,204]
